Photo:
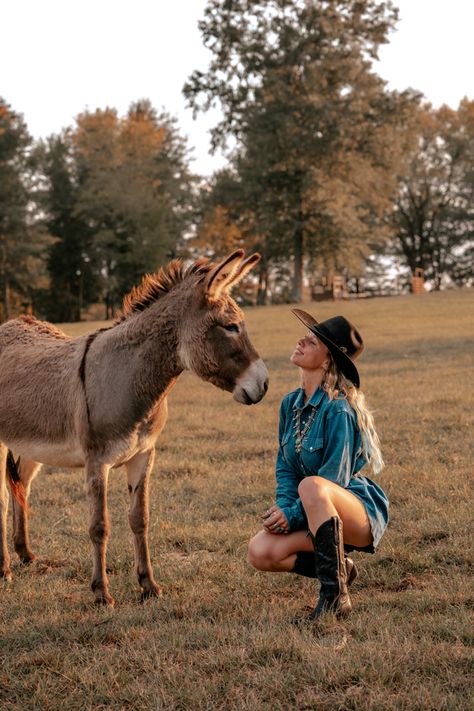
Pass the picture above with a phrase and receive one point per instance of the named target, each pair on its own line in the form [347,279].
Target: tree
[133,194]
[22,243]
[434,215]
[225,222]
[316,131]
[71,264]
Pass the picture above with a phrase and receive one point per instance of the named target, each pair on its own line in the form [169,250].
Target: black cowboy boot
[305,565]
[331,569]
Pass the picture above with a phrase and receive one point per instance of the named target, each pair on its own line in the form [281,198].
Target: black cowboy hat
[342,339]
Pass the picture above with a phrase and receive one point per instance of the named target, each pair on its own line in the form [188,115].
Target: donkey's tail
[16,484]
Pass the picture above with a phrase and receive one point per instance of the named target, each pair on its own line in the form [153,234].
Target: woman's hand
[274,520]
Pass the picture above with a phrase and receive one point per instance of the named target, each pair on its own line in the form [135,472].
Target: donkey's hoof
[105,600]
[6,575]
[24,553]
[101,592]
[27,558]
[153,590]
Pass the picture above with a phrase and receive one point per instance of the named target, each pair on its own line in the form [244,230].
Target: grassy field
[219,638]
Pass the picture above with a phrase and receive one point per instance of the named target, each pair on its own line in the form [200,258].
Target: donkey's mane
[154,286]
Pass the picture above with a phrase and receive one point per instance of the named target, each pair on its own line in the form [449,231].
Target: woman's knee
[313,489]
[259,552]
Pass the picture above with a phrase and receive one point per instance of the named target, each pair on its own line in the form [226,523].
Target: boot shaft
[329,555]
[305,565]
[331,569]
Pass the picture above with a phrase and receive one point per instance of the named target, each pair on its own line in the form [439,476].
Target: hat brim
[343,362]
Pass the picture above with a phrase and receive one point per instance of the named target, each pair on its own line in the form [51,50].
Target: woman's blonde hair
[336,385]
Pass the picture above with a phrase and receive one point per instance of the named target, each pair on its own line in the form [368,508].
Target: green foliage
[22,244]
[116,193]
[434,216]
[319,142]
[133,192]
[263,46]
[326,167]
[73,272]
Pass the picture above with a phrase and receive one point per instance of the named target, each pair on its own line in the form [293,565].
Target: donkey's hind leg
[5,571]
[27,470]
[138,476]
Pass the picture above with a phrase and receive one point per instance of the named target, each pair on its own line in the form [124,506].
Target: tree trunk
[298,267]
[80,298]
[5,299]
[109,306]
[262,282]
[5,287]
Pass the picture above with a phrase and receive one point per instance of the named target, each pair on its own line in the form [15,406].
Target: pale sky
[59,57]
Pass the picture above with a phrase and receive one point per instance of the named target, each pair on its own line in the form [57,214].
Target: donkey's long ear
[223,273]
[244,268]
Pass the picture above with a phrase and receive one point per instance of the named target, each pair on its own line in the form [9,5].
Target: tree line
[328,171]
[86,213]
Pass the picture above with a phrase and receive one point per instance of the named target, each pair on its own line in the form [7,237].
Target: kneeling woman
[324,507]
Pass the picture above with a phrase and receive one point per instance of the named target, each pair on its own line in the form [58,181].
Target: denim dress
[331,448]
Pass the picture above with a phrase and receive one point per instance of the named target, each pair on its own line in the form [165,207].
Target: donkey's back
[27,329]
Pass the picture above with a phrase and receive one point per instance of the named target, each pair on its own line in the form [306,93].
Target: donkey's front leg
[96,483]
[138,476]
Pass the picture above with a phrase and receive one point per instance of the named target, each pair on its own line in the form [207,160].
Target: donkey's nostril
[247,399]
[265,386]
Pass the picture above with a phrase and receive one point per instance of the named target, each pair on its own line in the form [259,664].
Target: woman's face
[310,353]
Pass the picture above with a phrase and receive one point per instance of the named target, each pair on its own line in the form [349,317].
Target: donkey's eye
[232,327]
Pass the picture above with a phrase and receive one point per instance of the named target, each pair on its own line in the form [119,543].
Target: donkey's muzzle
[252,384]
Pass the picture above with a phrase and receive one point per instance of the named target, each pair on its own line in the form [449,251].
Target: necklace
[301,433]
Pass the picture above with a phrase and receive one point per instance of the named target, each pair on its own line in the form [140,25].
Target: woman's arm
[287,481]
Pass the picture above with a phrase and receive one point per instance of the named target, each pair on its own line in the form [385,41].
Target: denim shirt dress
[331,448]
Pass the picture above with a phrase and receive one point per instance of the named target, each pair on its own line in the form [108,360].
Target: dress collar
[313,401]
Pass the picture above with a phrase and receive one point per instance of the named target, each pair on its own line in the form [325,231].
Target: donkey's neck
[151,338]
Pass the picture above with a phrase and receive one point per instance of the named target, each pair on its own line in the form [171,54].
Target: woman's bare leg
[276,553]
[323,499]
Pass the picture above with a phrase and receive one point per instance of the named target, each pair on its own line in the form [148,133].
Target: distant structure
[332,288]
[339,290]
[418,281]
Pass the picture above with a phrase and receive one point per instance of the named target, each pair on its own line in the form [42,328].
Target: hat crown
[342,333]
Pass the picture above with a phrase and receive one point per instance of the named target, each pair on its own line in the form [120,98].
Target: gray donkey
[99,401]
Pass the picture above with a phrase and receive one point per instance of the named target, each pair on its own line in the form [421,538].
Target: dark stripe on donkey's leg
[16,485]
[13,467]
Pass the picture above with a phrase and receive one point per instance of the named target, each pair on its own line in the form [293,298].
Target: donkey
[99,401]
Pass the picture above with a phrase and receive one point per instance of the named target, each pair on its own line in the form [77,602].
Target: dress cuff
[295,516]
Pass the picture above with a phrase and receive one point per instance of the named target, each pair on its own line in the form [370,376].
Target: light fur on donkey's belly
[68,453]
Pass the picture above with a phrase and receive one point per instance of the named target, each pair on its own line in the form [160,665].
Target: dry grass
[220,637]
